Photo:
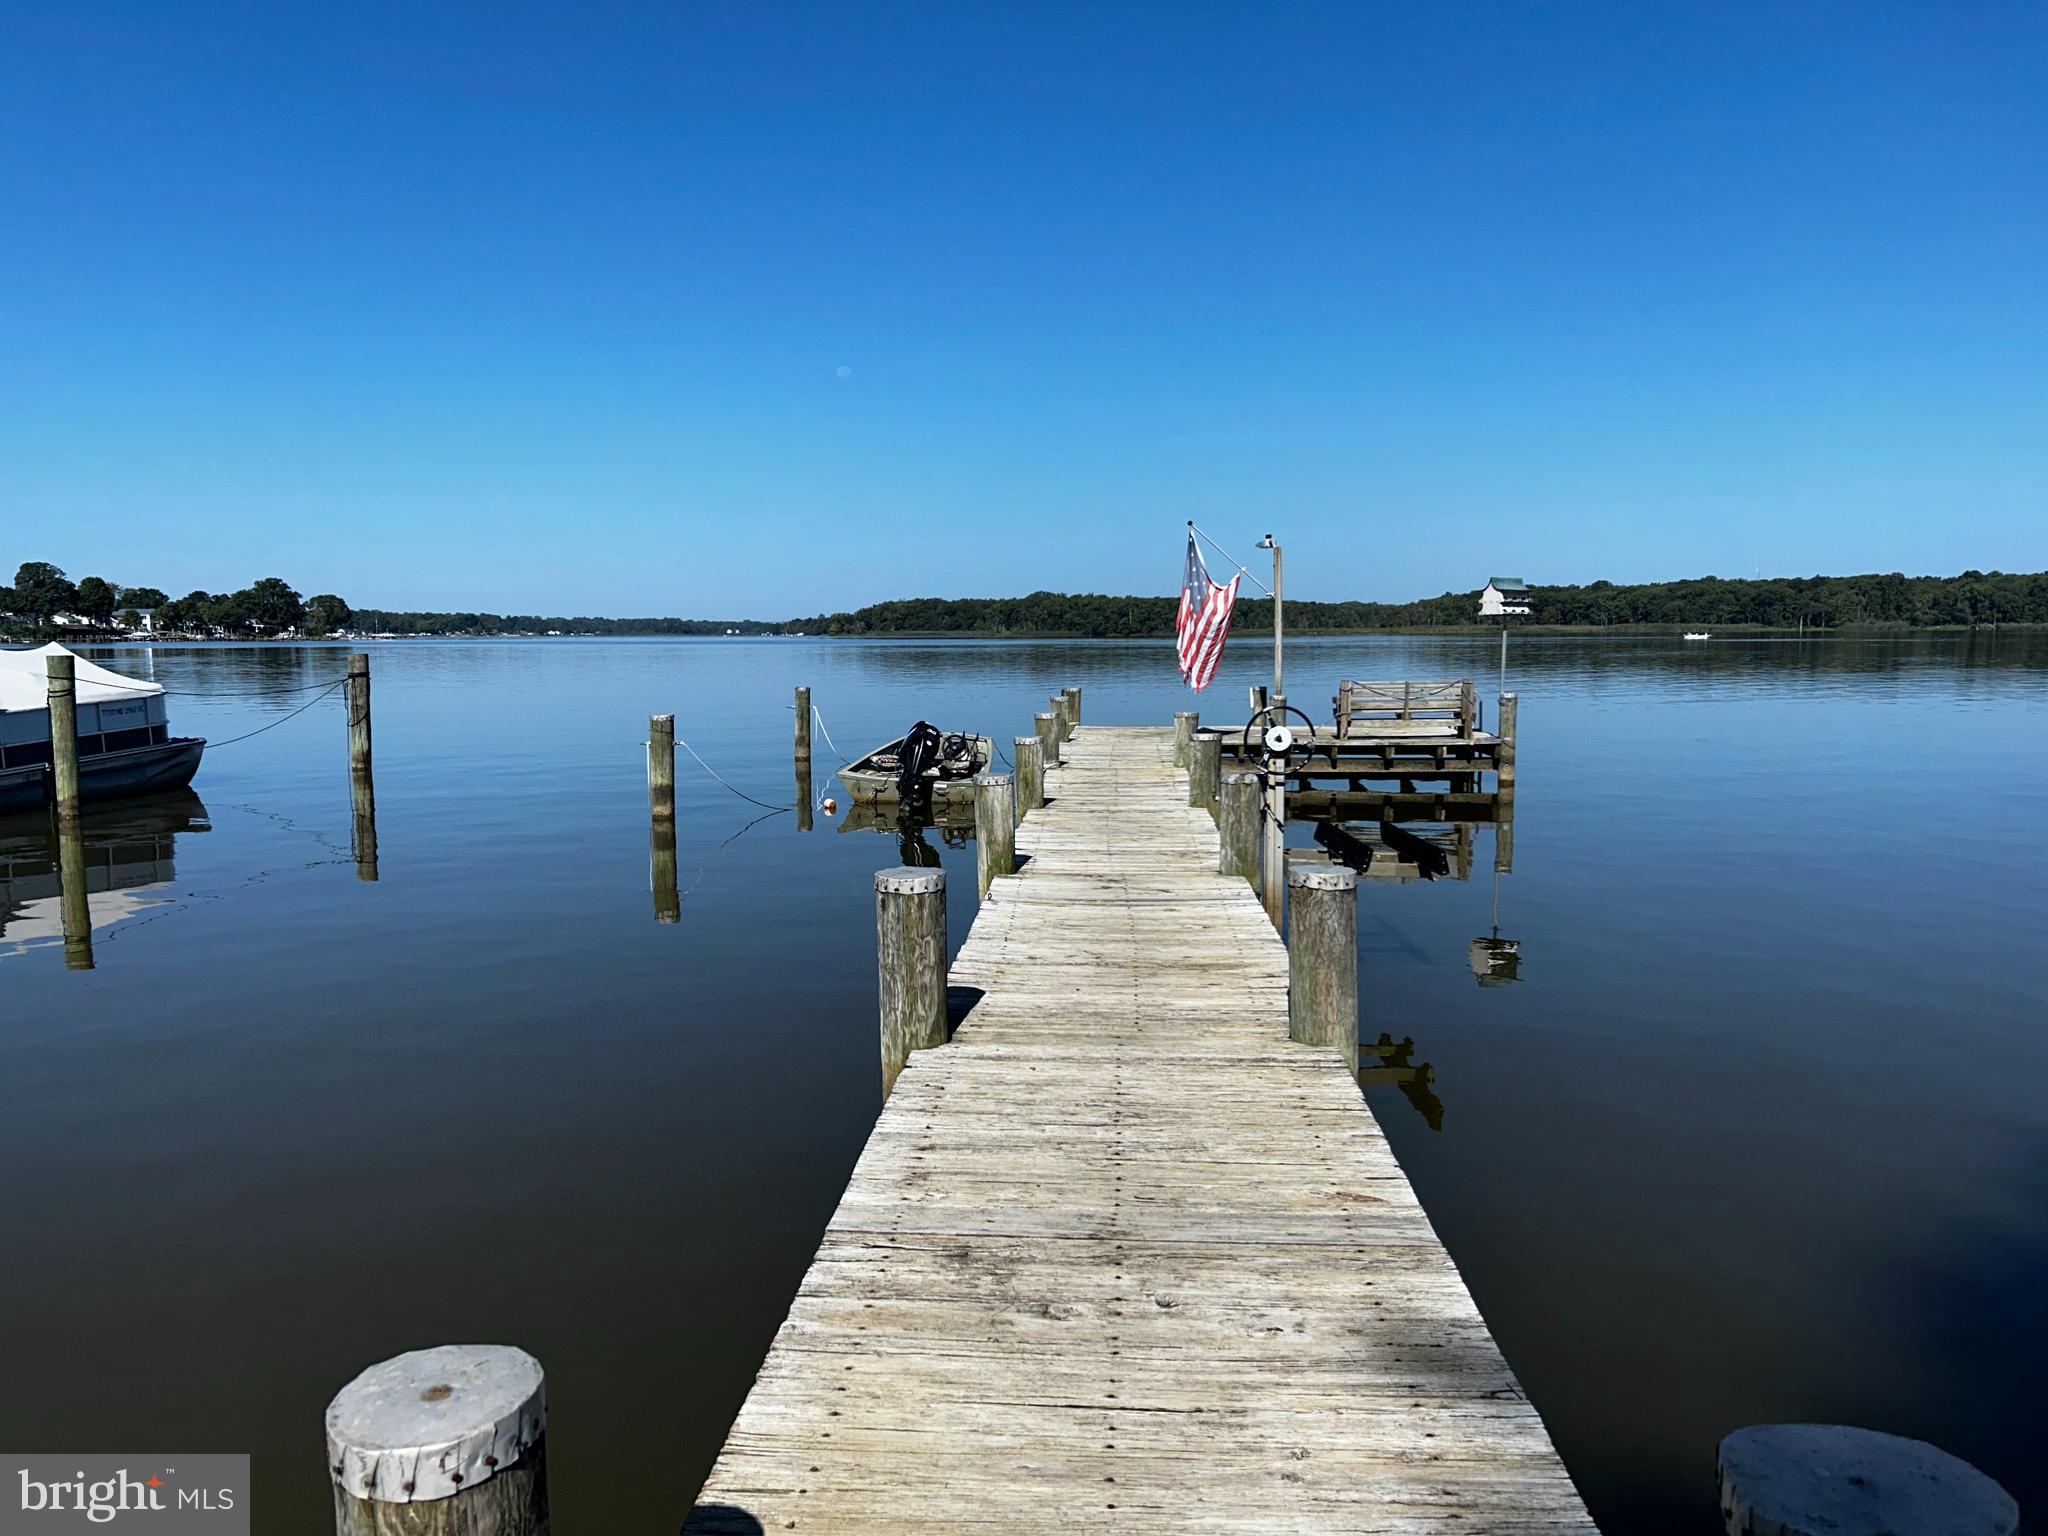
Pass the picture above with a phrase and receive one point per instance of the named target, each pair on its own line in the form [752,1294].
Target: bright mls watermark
[178,1494]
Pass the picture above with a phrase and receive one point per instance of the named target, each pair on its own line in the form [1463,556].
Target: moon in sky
[845,373]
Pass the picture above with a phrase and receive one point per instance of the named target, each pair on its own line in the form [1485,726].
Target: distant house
[140,620]
[1505,597]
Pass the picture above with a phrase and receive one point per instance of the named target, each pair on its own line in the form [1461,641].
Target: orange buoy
[831,805]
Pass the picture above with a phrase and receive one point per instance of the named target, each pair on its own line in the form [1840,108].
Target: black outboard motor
[920,751]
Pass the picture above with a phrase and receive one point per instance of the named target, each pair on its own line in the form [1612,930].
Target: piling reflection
[363,834]
[61,881]
[76,902]
[804,802]
[668,901]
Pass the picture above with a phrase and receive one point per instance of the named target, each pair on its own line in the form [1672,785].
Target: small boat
[124,742]
[1697,634]
[924,763]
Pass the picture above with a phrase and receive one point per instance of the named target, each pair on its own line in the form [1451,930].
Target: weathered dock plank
[1121,1256]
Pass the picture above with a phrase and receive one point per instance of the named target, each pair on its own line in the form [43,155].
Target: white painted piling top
[1810,1479]
[430,1423]
[907,881]
[1322,877]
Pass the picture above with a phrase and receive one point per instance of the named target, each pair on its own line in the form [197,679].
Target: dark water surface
[1760,1133]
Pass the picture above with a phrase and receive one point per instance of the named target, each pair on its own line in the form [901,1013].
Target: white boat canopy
[25,681]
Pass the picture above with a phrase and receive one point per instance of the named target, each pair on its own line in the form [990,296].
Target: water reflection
[954,824]
[1387,1060]
[668,901]
[62,884]
[1495,961]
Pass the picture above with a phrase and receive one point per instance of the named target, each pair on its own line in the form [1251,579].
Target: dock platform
[1122,1257]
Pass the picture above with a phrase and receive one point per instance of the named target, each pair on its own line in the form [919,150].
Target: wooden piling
[910,951]
[449,1441]
[1504,760]
[1238,823]
[357,692]
[803,725]
[1048,725]
[805,802]
[668,902]
[1273,847]
[1184,723]
[995,828]
[362,782]
[1029,753]
[1322,957]
[62,672]
[75,902]
[1205,769]
[1829,1479]
[661,766]
[1073,703]
[1063,715]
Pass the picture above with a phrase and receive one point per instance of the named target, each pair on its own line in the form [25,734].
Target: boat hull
[878,786]
[108,775]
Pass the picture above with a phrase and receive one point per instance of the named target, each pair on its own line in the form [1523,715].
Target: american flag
[1203,623]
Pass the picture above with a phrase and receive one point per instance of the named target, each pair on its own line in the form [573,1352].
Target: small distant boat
[125,746]
[1697,634]
[941,766]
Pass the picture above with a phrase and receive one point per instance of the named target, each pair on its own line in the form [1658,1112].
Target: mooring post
[1322,957]
[661,766]
[1048,725]
[440,1441]
[1238,825]
[1184,723]
[995,828]
[668,902]
[1064,716]
[1029,753]
[910,951]
[1273,844]
[1504,760]
[1205,769]
[357,692]
[75,902]
[1073,703]
[1824,1479]
[362,783]
[803,725]
[62,685]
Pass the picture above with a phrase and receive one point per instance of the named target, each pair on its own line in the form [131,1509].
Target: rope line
[716,775]
[828,736]
[217,745]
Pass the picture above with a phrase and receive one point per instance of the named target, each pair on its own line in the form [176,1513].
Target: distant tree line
[41,592]
[1823,602]
[42,595]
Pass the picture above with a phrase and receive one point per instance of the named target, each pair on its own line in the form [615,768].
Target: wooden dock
[1123,1257]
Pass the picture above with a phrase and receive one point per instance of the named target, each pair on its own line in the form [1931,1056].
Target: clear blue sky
[724,310]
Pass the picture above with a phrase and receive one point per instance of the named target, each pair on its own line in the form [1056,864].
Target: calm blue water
[1758,1134]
